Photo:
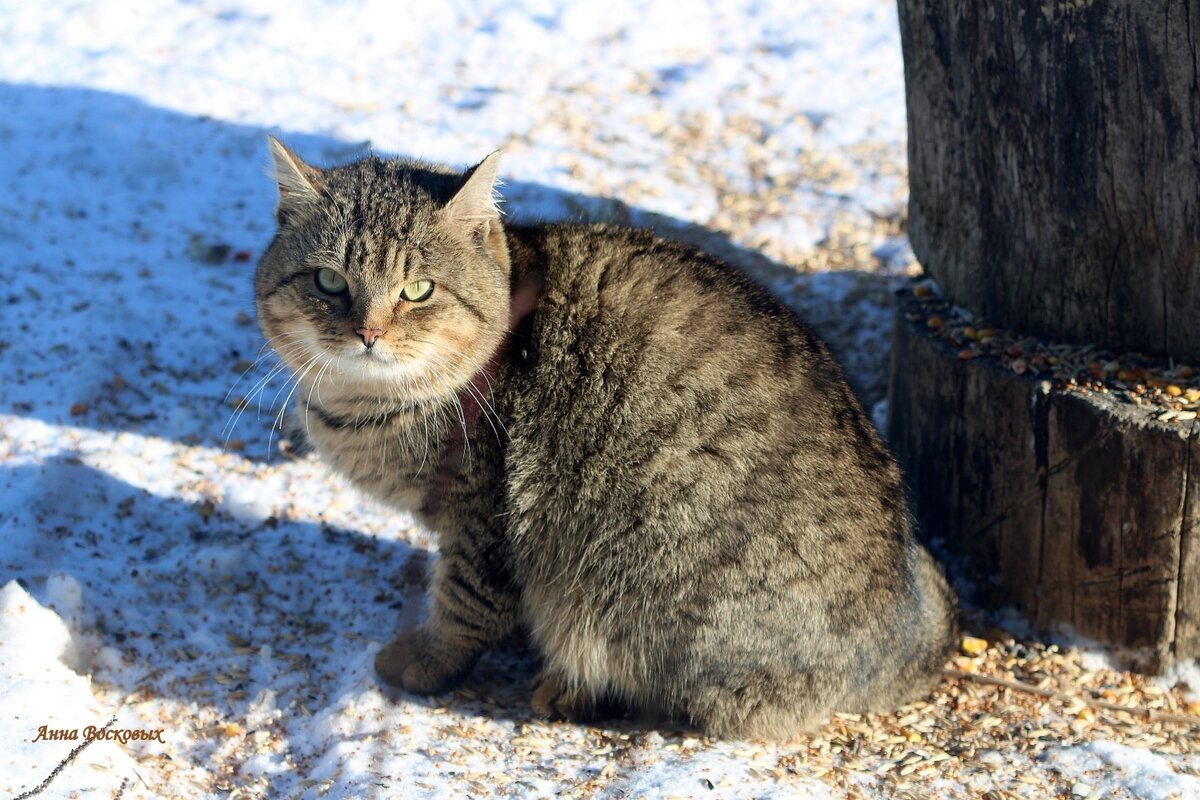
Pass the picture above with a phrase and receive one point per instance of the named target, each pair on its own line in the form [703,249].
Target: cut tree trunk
[1054,165]
[1054,171]
[1072,507]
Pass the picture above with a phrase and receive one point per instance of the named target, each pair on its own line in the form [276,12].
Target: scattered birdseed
[1132,378]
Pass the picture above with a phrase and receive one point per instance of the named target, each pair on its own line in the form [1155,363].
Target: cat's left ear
[476,204]
[299,184]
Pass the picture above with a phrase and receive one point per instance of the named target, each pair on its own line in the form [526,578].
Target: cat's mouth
[379,352]
[379,356]
[409,368]
[382,364]
[376,358]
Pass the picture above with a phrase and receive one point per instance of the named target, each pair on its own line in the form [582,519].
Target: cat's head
[391,275]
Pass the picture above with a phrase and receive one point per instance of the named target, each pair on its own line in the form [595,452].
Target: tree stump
[1054,170]
[1071,506]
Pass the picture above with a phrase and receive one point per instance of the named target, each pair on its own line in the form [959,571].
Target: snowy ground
[161,563]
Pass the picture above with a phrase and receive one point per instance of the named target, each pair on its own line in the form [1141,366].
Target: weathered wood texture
[1072,508]
[1054,165]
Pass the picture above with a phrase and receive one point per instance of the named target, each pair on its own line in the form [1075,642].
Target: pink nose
[369,335]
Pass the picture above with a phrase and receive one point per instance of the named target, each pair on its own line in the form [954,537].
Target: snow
[1106,769]
[160,562]
[1184,673]
[34,643]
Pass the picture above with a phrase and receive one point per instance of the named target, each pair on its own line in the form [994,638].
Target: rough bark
[1187,614]
[1072,507]
[1054,165]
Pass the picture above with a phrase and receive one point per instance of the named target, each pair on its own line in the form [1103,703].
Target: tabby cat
[624,446]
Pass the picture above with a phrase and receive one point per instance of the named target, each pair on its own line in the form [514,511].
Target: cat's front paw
[413,661]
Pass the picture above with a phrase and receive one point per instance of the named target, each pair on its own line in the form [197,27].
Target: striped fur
[669,484]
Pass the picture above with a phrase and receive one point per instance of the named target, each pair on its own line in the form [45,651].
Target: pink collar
[524,300]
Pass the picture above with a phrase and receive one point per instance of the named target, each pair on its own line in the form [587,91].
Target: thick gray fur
[669,484]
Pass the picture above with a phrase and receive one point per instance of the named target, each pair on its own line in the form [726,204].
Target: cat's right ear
[299,184]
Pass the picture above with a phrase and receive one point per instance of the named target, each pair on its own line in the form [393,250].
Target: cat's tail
[937,606]
[927,634]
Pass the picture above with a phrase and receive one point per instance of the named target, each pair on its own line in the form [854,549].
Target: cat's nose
[369,335]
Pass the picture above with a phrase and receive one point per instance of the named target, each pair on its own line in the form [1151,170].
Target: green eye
[417,291]
[331,281]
